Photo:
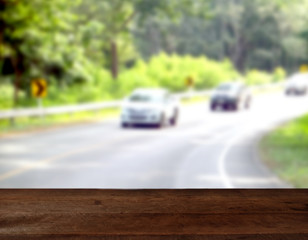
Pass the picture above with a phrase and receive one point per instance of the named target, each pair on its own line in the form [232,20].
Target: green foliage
[171,71]
[254,34]
[38,37]
[97,88]
[285,150]
[114,19]
[279,74]
[168,71]
[294,134]
[6,93]
[256,77]
[69,43]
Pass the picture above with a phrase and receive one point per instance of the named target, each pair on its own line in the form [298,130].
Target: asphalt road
[205,150]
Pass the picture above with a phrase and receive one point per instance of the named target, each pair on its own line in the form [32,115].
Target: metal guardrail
[35,112]
[38,112]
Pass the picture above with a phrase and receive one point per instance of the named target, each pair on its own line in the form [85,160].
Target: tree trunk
[17,80]
[114,60]
[16,87]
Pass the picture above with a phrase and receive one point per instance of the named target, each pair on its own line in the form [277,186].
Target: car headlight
[154,112]
[125,111]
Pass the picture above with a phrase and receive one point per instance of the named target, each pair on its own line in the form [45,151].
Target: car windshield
[227,88]
[224,87]
[146,98]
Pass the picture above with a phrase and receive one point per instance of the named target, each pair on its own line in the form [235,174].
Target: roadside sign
[303,68]
[39,88]
[189,81]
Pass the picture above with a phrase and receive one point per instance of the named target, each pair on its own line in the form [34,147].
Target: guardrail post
[12,121]
[40,106]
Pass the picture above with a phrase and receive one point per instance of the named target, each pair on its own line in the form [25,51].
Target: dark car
[232,95]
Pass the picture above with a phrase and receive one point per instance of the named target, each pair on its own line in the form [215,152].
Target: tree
[253,34]
[30,35]
[118,16]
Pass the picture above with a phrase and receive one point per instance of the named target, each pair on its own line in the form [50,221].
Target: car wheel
[288,92]
[213,106]
[162,121]
[174,119]
[226,107]
[236,106]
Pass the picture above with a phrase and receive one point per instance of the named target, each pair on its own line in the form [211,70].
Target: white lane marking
[222,160]
[212,140]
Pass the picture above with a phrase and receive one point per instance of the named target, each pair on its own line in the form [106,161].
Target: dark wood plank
[154,214]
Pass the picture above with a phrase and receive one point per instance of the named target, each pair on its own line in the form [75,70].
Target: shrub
[279,74]
[167,71]
[255,77]
[6,95]
[172,71]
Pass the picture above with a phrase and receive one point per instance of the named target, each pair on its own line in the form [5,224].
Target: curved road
[206,150]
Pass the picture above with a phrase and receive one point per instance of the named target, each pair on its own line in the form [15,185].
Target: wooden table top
[154,214]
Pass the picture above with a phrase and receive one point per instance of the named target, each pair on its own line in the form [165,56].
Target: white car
[150,107]
[297,84]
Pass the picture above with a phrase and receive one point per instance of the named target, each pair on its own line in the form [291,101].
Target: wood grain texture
[154,214]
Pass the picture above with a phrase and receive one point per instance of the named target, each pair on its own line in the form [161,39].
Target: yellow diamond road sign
[303,68]
[189,81]
[39,88]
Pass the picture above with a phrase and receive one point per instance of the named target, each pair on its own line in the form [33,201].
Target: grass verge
[37,123]
[285,151]
[193,100]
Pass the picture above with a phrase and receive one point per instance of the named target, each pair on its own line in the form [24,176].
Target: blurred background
[153,94]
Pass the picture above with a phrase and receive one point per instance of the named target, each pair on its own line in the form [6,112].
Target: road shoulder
[284,150]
